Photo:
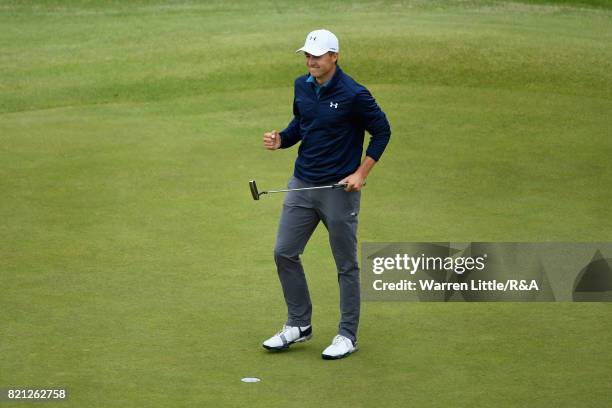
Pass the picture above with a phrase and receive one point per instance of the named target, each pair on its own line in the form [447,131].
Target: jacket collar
[333,81]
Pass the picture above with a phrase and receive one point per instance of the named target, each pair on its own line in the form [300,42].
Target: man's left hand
[354,182]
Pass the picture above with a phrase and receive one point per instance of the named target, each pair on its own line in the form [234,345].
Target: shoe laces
[338,339]
[284,330]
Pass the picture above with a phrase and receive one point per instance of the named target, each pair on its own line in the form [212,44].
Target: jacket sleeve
[375,122]
[291,135]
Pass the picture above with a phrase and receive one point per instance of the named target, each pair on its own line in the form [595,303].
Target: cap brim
[312,51]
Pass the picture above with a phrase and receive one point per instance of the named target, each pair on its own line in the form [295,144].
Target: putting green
[136,270]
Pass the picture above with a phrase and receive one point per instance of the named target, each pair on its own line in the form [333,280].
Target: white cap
[318,42]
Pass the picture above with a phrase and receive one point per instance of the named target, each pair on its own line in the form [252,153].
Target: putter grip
[341,186]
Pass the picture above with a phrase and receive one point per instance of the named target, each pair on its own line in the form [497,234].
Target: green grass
[136,270]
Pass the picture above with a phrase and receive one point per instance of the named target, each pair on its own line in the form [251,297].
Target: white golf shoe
[341,347]
[287,336]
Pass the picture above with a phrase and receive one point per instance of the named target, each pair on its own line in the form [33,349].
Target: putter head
[254,192]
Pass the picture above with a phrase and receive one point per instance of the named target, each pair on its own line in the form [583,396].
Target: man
[331,112]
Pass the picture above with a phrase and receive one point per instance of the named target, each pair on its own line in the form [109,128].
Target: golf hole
[250,379]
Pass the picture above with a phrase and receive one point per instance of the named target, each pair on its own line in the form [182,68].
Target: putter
[256,193]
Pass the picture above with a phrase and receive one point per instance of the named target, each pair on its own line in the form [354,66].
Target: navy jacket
[331,128]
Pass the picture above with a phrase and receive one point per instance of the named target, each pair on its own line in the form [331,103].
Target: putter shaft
[304,188]
[256,193]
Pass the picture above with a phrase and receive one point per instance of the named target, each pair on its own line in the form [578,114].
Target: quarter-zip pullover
[331,128]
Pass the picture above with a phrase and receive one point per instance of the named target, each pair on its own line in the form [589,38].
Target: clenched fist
[272,140]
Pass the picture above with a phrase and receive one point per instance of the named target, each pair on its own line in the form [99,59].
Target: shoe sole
[286,346]
[328,357]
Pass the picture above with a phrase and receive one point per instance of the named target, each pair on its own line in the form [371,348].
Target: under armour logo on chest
[333,105]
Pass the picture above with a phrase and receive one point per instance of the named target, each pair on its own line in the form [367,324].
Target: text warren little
[475,285]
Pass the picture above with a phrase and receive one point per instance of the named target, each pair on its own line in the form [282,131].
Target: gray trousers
[302,211]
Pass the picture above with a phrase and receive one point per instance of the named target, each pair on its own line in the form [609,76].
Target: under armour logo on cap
[319,42]
[333,105]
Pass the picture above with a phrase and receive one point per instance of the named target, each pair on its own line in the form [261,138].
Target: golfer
[331,114]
